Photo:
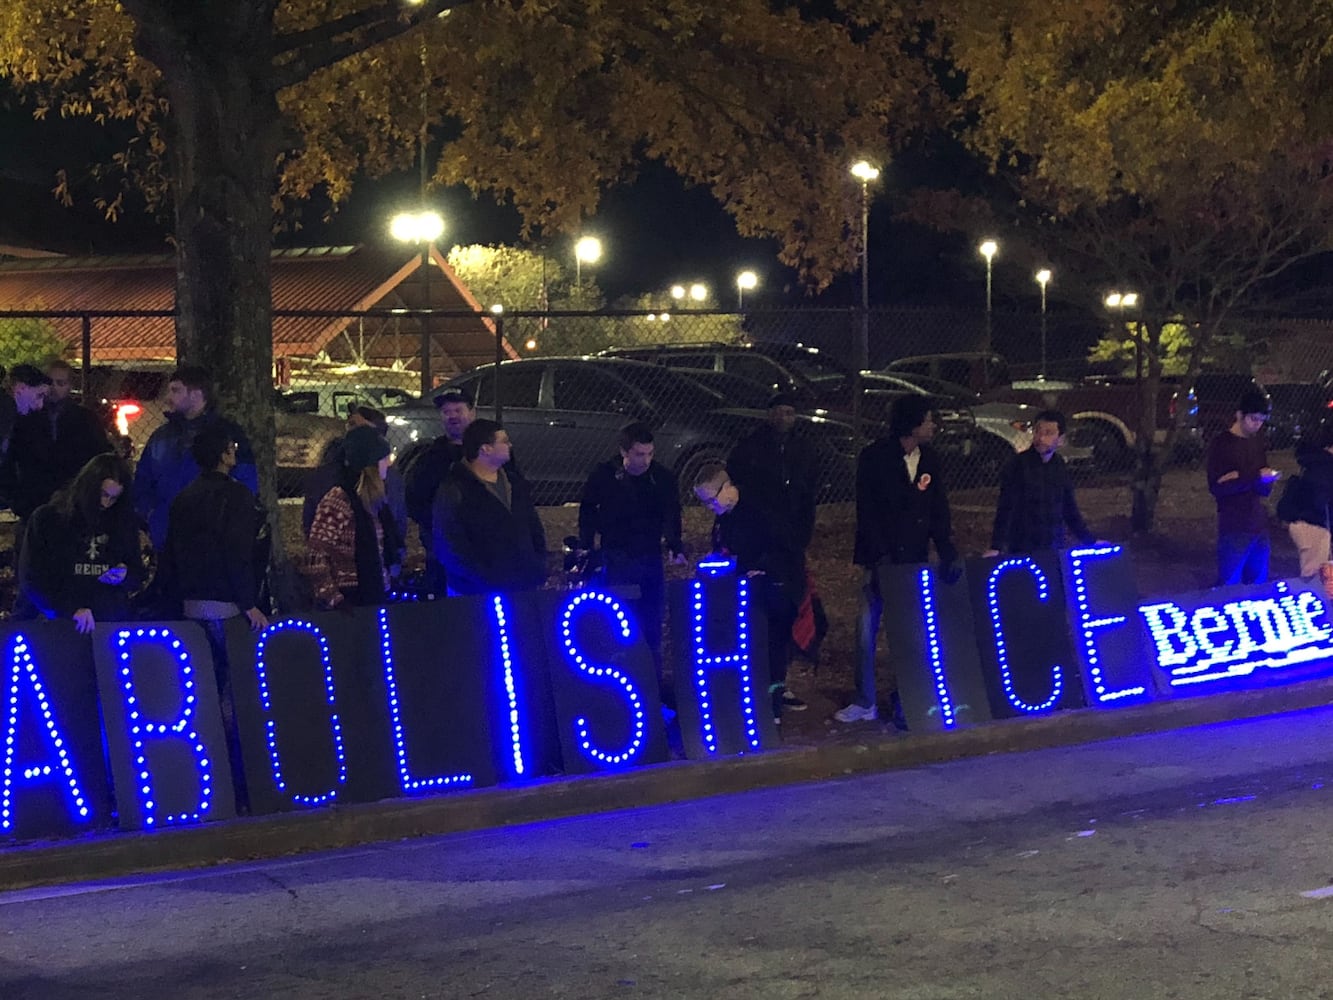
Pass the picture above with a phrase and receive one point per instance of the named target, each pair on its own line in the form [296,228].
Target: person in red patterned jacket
[354,539]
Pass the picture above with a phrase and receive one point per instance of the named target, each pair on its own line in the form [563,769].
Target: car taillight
[125,412]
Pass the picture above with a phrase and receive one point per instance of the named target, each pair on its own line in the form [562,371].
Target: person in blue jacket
[166,466]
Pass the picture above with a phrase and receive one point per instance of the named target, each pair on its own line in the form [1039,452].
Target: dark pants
[781,607]
[215,630]
[1242,559]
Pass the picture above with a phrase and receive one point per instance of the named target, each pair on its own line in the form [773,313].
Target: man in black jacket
[1037,502]
[759,537]
[901,508]
[774,462]
[425,465]
[486,531]
[633,504]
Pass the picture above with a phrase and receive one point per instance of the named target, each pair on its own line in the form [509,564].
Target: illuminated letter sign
[1110,646]
[606,697]
[1024,637]
[164,731]
[721,663]
[1264,635]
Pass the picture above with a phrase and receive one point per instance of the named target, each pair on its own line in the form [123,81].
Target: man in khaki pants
[1304,504]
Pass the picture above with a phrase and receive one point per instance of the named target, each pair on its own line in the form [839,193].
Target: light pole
[988,249]
[423,228]
[864,172]
[586,251]
[1043,278]
[745,281]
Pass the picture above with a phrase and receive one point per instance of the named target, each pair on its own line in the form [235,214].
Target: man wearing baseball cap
[426,465]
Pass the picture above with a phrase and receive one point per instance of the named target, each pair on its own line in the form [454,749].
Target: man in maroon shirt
[1239,477]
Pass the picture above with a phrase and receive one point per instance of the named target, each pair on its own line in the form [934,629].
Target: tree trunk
[224,136]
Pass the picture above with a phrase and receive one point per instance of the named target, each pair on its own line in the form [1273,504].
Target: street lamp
[425,228]
[865,173]
[698,292]
[745,281]
[988,250]
[1043,278]
[678,292]
[586,251]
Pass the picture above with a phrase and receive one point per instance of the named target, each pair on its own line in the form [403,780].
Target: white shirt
[913,459]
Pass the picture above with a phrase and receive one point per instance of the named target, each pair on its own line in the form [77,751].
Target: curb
[106,856]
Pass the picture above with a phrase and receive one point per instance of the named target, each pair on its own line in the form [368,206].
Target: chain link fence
[568,381]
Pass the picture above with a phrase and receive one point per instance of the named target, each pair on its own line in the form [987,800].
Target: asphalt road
[1192,864]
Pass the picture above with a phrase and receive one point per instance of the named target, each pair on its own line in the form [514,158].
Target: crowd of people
[80,508]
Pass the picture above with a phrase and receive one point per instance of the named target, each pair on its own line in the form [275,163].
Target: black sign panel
[164,732]
[719,659]
[1023,635]
[52,772]
[603,681]
[931,636]
[1109,638]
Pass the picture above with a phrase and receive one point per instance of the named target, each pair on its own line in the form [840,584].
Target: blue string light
[933,647]
[23,668]
[141,729]
[1088,626]
[330,698]
[739,660]
[405,778]
[588,600]
[511,684]
[997,627]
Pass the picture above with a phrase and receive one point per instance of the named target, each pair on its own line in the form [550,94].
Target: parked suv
[563,415]
[132,402]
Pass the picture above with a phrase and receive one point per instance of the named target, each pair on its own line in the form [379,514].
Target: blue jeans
[1242,559]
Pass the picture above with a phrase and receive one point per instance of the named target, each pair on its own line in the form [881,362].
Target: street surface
[1193,864]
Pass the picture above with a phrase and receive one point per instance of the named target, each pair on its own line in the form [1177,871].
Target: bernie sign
[125,727]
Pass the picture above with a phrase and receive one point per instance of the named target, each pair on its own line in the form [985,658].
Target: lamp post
[864,172]
[988,250]
[698,292]
[745,281]
[586,251]
[422,228]
[1043,278]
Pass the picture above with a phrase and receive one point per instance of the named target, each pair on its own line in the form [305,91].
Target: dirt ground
[1174,558]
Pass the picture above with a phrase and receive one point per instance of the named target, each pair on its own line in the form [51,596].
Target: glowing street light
[698,292]
[746,281]
[1043,278]
[425,228]
[865,172]
[588,250]
[988,249]
[678,292]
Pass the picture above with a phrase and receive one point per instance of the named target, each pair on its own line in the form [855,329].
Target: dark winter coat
[166,467]
[1036,505]
[48,448]
[897,518]
[781,467]
[631,514]
[211,551]
[759,537]
[1314,490]
[63,556]
[424,474]
[485,547]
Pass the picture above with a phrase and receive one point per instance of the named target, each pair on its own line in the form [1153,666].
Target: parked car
[132,402]
[563,415]
[333,399]
[977,371]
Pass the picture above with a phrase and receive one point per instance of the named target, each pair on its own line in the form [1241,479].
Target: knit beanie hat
[363,446]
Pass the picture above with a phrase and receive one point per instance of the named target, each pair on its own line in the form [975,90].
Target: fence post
[861,340]
[499,356]
[427,381]
[86,355]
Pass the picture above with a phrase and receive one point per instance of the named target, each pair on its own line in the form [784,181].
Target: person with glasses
[767,549]
[901,508]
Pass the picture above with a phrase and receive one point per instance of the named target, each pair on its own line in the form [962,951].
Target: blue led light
[330,698]
[1088,626]
[140,729]
[511,686]
[997,627]
[406,780]
[704,661]
[932,624]
[1213,643]
[22,669]
[584,601]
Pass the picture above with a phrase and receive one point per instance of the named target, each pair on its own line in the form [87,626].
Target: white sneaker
[856,713]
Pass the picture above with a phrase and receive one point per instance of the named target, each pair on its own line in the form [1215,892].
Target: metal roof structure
[316,292]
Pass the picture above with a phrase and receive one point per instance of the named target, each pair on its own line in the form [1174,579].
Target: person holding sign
[1239,477]
[901,508]
[1037,504]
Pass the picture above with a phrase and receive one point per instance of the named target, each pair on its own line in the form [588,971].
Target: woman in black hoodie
[1305,501]
[81,558]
